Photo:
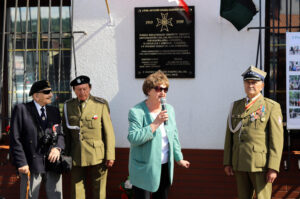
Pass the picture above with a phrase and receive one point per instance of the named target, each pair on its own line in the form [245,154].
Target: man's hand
[109,163]
[228,171]
[54,155]
[271,175]
[24,169]
[184,163]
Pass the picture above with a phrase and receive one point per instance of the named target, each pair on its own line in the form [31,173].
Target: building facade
[86,40]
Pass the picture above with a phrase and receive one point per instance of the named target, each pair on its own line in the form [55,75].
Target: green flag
[238,12]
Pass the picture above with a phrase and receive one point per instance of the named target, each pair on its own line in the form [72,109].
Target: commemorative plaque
[165,40]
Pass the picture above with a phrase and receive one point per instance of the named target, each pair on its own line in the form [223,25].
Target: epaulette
[69,100]
[239,101]
[270,100]
[101,100]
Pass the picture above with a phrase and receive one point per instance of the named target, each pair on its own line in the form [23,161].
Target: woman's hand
[161,117]
[184,163]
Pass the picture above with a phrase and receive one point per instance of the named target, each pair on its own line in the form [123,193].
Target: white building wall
[106,54]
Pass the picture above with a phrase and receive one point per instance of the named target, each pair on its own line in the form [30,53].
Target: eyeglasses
[160,89]
[46,92]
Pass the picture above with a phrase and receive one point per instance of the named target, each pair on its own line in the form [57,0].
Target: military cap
[254,73]
[38,86]
[82,79]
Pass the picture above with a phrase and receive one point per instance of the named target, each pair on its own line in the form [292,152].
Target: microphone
[163,107]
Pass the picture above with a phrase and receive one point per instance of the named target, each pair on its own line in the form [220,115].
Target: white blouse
[164,141]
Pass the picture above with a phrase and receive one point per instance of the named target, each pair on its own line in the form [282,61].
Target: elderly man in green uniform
[89,139]
[254,139]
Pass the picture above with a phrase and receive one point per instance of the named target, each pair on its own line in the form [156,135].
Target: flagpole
[108,12]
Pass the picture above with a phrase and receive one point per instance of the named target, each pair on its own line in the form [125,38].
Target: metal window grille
[281,16]
[36,43]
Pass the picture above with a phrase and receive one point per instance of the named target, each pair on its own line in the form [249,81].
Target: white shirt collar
[254,98]
[38,107]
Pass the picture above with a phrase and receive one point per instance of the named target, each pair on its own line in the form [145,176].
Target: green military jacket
[254,137]
[89,134]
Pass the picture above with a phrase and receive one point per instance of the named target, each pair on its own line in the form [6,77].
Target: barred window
[36,44]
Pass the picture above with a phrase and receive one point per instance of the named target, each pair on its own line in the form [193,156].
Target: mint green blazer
[145,147]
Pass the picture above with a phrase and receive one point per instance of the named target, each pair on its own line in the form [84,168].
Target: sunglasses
[46,92]
[160,89]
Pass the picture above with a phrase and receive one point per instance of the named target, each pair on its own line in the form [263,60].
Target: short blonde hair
[153,80]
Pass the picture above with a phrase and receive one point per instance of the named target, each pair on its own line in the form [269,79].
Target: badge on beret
[82,79]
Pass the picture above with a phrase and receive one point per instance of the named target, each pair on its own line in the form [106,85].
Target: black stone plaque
[165,40]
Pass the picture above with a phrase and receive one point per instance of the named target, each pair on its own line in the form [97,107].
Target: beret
[82,79]
[38,86]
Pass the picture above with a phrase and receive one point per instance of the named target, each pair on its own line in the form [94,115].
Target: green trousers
[248,182]
[97,174]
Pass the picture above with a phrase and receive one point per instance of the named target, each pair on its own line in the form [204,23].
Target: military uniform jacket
[89,133]
[257,145]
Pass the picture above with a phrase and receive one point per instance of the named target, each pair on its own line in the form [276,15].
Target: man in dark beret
[254,139]
[90,139]
[31,153]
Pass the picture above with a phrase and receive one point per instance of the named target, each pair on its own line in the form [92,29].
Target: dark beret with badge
[254,73]
[82,79]
[38,86]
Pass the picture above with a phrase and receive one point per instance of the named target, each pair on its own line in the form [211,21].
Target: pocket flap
[259,149]
[98,143]
[88,118]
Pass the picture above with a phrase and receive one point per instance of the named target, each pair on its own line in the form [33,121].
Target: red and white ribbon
[182,3]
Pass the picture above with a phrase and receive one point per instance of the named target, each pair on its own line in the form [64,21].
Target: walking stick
[28,184]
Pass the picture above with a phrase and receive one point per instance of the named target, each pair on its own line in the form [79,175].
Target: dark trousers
[163,189]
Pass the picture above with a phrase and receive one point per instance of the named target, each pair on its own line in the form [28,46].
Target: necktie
[81,105]
[43,117]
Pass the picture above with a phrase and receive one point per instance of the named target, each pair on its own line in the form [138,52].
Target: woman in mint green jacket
[154,143]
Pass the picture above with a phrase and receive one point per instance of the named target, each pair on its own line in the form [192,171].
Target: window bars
[37,57]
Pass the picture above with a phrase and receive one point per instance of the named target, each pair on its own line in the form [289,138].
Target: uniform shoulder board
[239,101]
[101,100]
[69,100]
[270,101]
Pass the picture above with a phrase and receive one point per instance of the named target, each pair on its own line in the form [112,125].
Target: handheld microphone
[163,107]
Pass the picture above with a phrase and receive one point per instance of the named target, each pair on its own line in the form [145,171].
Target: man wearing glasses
[31,124]
[90,139]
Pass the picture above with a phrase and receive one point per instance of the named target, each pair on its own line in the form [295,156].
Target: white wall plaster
[106,54]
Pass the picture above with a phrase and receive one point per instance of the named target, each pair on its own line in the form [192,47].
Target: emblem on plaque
[164,22]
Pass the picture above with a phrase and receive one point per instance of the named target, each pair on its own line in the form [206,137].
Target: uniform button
[33,156]
[30,141]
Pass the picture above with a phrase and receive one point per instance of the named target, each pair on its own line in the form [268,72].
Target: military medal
[252,117]
[262,115]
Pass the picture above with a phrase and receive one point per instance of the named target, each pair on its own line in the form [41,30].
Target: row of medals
[260,113]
